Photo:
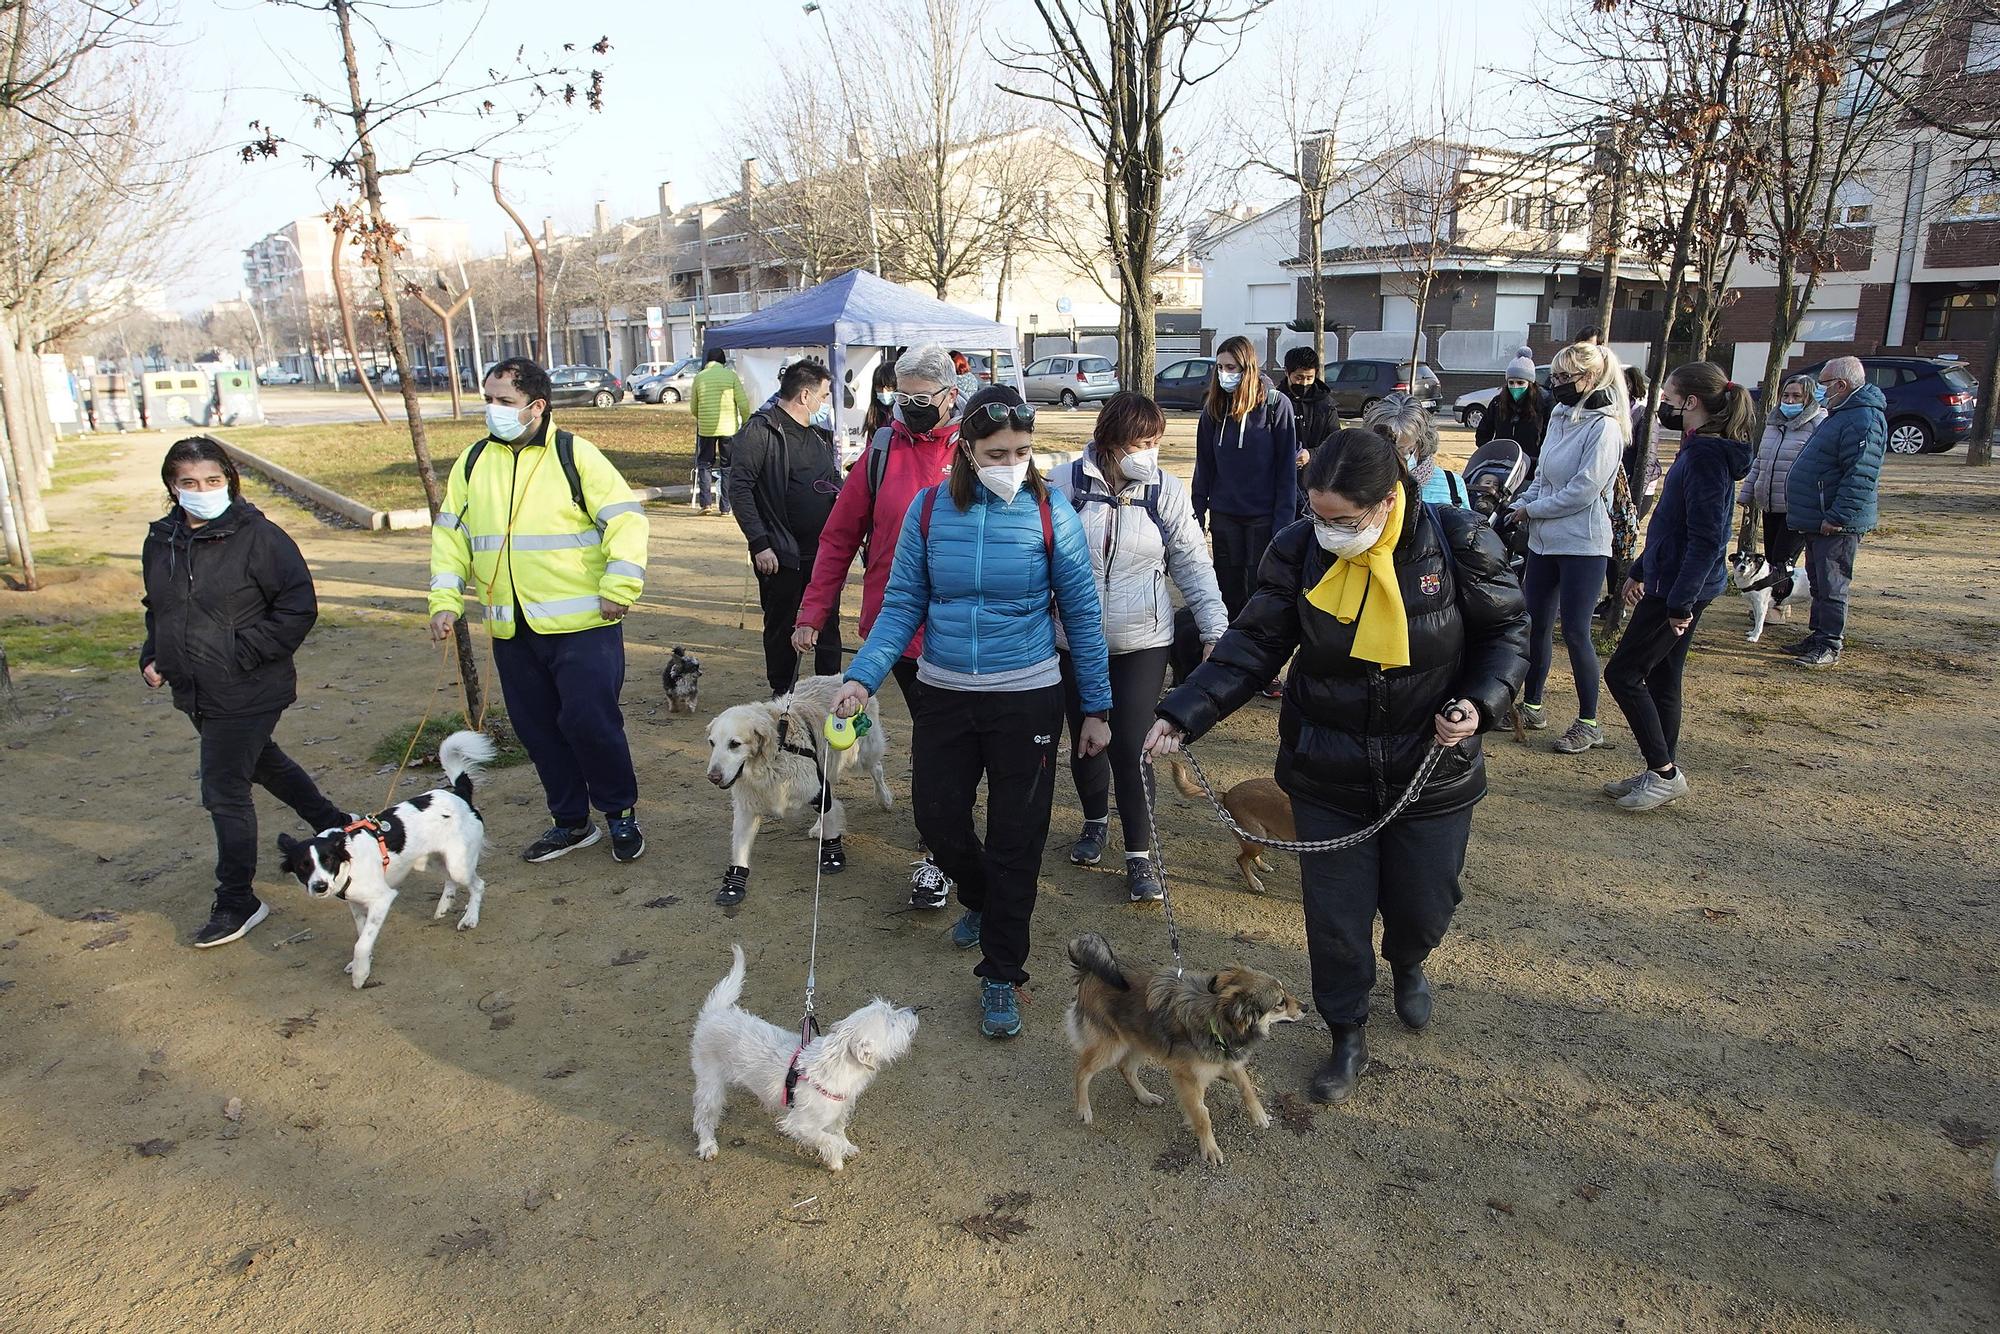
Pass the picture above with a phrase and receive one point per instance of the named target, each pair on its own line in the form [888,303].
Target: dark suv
[1358,383]
[1931,401]
[592,385]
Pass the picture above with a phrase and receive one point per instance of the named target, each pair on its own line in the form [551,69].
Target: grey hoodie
[1570,498]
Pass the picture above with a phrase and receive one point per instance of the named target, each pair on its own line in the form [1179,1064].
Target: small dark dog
[1197,1027]
[682,679]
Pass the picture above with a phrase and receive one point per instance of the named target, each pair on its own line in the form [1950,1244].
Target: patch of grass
[389,750]
[66,478]
[373,464]
[109,642]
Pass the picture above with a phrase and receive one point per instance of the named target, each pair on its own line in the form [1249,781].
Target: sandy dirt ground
[1730,1066]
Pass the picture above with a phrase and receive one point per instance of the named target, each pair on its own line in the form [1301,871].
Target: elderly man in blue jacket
[1830,498]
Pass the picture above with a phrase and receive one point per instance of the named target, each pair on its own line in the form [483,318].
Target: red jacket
[915,462]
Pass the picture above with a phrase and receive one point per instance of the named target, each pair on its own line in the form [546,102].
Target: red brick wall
[1963,245]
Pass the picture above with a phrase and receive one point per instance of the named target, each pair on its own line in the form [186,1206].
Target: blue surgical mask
[204,505]
[1790,410]
[1819,393]
[1228,380]
[823,417]
[887,398]
[504,423]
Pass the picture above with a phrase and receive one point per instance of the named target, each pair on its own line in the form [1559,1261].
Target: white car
[279,375]
[1471,407]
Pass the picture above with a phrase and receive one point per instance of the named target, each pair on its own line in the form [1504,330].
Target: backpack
[1624,520]
[565,455]
[1080,495]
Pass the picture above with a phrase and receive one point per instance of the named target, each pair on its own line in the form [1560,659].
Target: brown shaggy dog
[1196,1027]
[1257,804]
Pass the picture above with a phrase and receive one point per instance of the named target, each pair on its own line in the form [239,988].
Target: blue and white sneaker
[965,931]
[1000,1013]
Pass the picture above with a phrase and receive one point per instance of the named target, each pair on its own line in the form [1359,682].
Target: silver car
[668,385]
[1071,379]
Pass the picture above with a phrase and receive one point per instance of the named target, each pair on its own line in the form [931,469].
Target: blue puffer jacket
[1835,475]
[1687,540]
[979,589]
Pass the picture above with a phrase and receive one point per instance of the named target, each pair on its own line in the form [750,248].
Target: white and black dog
[1767,588]
[365,862]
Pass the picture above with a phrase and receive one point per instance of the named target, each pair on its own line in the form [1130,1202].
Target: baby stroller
[1494,476]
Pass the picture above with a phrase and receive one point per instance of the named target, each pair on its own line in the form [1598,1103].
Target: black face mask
[1670,417]
[922,420]
[1566,394]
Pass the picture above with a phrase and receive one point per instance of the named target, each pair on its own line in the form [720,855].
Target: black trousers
[1009,738]
[1781,545]
[1644,676]
[1238,545]
[562,701]
[780,595]
[236,752]
[1136,679]
[905,672]
[1408,873]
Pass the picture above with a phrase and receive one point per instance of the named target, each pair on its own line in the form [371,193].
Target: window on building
[1978,191]
[1861,88]
[1960,316]
[1521,212]
[1854,203]
[1982,49]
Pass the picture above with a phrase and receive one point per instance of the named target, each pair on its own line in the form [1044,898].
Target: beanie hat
[1522,367]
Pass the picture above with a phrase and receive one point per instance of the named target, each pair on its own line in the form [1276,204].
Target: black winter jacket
[1350,733]
[783,480]
[1525,422]
[1315,414]
[227,605]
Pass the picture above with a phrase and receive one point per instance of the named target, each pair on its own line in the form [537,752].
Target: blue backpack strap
[1080,495]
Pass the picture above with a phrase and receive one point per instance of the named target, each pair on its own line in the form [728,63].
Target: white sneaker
[1652,791]
[1624,785]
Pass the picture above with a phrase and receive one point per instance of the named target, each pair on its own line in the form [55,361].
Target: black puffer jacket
[1316,413]
[1350,733]
[227,605]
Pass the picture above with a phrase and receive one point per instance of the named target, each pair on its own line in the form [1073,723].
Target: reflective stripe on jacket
[515,536]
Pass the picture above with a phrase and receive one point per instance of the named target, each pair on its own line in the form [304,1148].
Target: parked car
[1182,384]
[1471,407]
[1359,382]
[1931,400]
[1071,379]
[593,386]
[977,362]
[669,384]
[279,375]
[645,370]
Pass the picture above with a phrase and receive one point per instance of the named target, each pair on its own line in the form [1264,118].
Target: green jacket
[720,405]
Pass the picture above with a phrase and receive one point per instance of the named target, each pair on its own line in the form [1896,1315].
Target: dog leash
[437,679]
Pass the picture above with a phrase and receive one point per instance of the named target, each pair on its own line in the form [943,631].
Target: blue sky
[675,73]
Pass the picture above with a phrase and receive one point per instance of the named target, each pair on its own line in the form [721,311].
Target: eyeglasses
[1023,416]
[1562,379]
[932,400]
[1358,524]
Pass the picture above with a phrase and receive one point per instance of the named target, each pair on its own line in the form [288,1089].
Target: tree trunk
[1979,449]
[13,523]
[347,326]
[20,441]
[1614,236]
[392,318]
[38,405]
[1316,260]
[539,340]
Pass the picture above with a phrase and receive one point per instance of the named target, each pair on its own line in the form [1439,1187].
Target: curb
[366,516]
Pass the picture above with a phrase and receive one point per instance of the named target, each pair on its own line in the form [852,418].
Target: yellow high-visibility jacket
[513,532]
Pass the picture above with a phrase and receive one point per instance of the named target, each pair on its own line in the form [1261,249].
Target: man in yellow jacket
[540,528]
[720,406]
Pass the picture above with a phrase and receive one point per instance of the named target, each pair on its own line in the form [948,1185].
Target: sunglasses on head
[1023,416]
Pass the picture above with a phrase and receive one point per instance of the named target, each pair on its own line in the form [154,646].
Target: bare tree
[801,199]
[1118,70]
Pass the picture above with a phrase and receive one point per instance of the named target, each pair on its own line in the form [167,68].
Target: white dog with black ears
[1767,589]
[810,1088]
[368,860]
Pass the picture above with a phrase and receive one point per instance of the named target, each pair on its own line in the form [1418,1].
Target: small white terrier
[734,1047]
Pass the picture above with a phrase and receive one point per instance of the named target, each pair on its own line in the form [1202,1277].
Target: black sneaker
[559,840]
[930,887]
[1142,880]
[1800,647]
[229,922]
[1089,847]
[628,841]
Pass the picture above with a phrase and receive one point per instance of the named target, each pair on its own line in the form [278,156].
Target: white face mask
[1344,544]
[1141,465]
[204,505]
[504,423]
[1006,480]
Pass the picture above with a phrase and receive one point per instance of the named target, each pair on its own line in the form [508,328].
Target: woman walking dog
[228,602]
[1409,631]
[978,562]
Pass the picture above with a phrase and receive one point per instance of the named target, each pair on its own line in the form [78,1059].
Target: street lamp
[862,147]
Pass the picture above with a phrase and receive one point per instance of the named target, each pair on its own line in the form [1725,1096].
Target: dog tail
[462,755]
[1091,953]
[725,993]
[1185,780]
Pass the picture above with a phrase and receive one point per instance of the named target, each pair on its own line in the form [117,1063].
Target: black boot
[1413,995]
[1336,1076]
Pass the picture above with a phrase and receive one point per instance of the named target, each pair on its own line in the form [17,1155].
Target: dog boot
[1413,996]
[1089,849]
[1335,1077]
[832,856]
[735,884]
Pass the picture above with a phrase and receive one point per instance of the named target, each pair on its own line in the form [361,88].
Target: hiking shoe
[999,1012]
[229,921]
[1579,737]
[1534,717]
[1142,880]
[628,841]
[1089,847]
[559,840]
[965,931]
[1652,791]
[1820,655]
[1624,785]
[930,887]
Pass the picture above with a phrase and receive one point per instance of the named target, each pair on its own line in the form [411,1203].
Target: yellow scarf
[1383,635]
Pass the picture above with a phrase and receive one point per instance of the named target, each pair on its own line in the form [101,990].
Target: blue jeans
[562,701]
[1830,564]
[711,480]
[1569,585]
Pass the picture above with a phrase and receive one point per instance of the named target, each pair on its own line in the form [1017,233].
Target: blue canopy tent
[858,309]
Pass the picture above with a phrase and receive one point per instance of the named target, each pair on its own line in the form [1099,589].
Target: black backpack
[565,455]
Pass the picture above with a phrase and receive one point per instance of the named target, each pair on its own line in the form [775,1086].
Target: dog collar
[1220,1041]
